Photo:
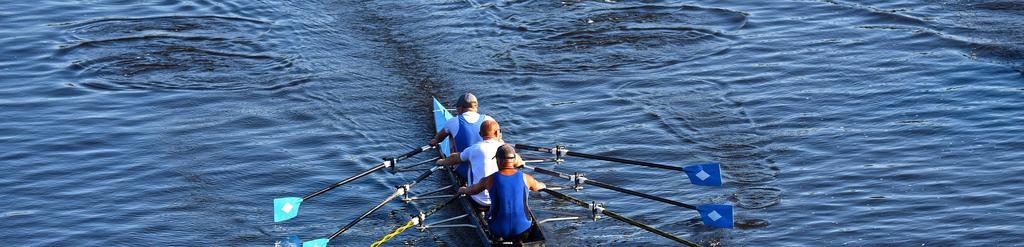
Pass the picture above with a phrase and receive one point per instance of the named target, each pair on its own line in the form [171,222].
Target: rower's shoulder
[488,180]
[451,124]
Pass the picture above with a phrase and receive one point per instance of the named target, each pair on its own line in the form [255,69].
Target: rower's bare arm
[439,137]
[478,187]
[452,159]
[533,184]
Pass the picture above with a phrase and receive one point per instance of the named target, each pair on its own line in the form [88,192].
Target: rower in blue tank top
[507,217]
[464,129]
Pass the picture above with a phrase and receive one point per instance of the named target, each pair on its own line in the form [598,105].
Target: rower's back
[509,198]
[467,132]
[465,129]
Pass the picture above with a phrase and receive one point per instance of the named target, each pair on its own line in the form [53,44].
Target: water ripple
[620,37]
[177,53]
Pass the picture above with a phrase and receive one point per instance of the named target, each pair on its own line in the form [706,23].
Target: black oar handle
[425,175]
[378,167]
[618,217]
[414,152]
[613,187]
[605,158]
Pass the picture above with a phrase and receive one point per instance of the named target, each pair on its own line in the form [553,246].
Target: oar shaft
[613,187]
[640,194]
[401,190]
[373,169]
[605,158]
[618,217]
[613,159]
[651,229]
[414,220]
[347,180]
[397,193]
[440,206]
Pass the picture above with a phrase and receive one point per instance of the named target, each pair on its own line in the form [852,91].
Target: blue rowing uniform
[507,214]
[468,134]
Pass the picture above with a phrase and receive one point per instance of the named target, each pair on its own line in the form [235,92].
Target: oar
[399,191]
[616,216]
[415,220]
[714,215]
[705,174]
[286,208]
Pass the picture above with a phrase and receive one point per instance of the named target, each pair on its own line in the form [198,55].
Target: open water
[837,122]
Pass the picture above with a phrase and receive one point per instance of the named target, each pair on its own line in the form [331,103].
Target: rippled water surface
[838,123]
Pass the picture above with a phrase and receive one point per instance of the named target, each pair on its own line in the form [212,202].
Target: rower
[480,158]
[507,218]
[463,129]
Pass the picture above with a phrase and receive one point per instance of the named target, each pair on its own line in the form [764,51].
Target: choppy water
[839,123]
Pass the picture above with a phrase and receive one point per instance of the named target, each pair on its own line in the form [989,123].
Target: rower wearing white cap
[464,129]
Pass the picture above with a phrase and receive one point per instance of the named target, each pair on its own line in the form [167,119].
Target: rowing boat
[714,215]
[536,233]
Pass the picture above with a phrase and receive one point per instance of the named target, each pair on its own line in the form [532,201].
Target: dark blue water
[838,123]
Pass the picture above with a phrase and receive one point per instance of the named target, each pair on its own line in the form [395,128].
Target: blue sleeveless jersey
[507,215]
[468,134]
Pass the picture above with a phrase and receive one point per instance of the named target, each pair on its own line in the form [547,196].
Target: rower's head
[506,157]
[466,103]
[490,130]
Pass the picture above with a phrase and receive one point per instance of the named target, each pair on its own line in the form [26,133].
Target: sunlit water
[838,123]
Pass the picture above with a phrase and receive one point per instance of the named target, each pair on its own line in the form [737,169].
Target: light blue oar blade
[315,243]
[286,208]
[292,241]
[709,174]
[716,215]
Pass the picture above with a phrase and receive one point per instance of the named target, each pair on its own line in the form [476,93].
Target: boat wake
[177,53]
[608,37]
[722,131]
